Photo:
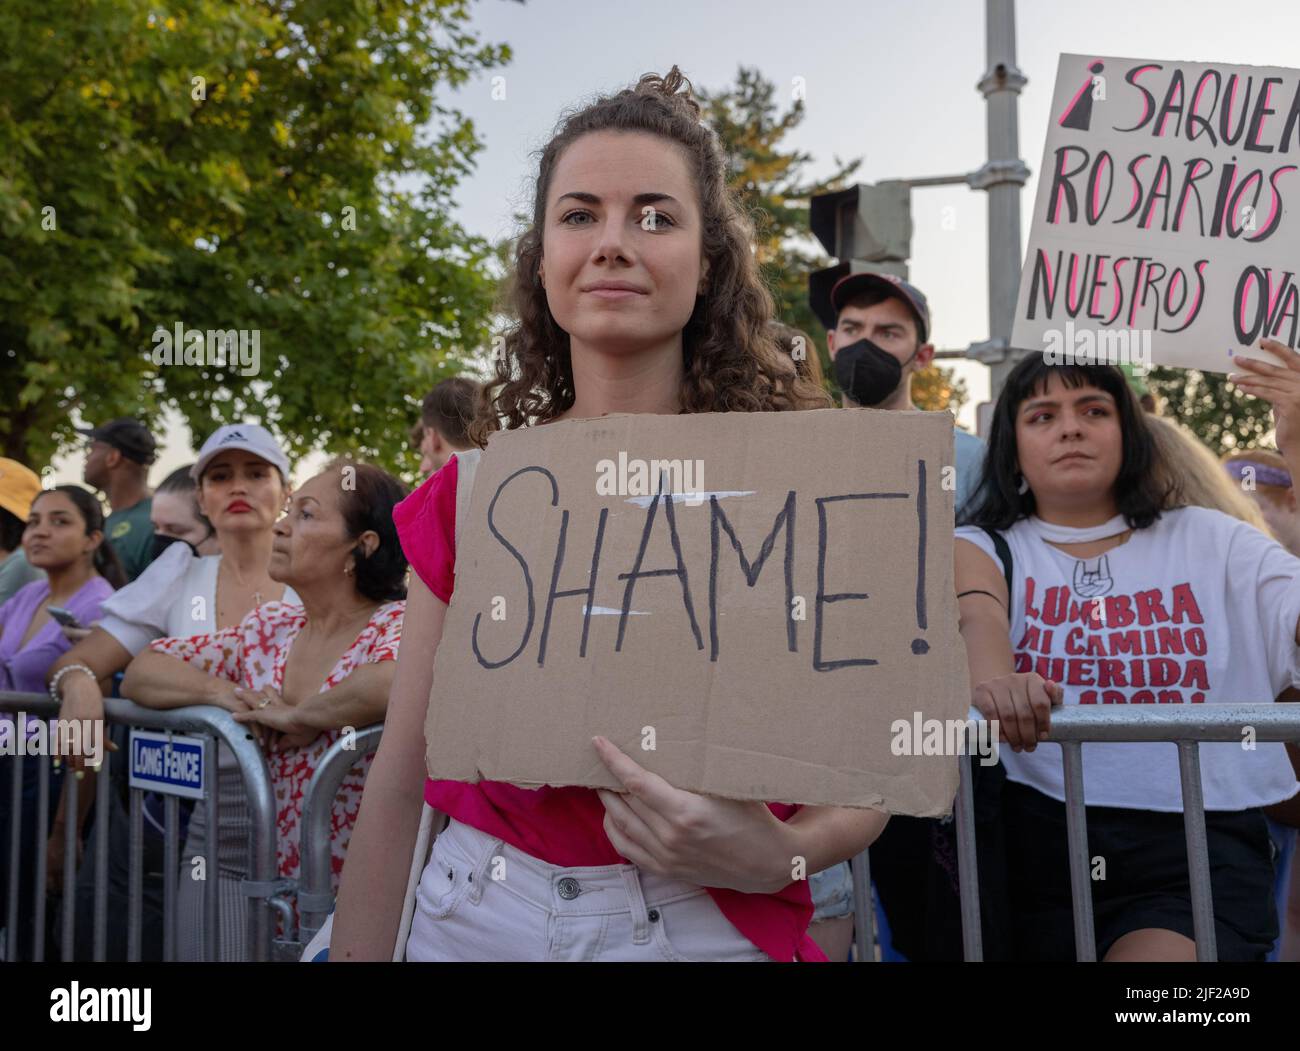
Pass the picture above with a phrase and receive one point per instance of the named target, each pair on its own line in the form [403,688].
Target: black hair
[368,505]
[180,482]
[106,562]
[11,530]
[873,295]
[997,503]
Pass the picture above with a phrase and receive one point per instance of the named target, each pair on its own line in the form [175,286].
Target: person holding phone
[64,536]
[241,483]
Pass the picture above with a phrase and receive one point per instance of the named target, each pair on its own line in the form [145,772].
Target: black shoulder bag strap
[1003,550]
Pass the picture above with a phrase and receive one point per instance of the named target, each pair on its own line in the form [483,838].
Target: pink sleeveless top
[565,826]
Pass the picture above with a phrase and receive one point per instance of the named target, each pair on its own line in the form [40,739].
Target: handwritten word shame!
[661,516]
[76,1004]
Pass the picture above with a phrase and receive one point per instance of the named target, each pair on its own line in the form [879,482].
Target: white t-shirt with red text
[1199,608]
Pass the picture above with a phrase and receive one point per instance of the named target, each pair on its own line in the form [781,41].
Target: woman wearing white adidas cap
[242,476]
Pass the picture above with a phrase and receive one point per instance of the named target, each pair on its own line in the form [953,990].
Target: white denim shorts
[482,900]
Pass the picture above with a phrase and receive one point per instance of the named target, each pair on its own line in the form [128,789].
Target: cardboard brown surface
[743,693]
[1179,228]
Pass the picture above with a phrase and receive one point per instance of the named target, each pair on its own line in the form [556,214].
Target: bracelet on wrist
[58,675]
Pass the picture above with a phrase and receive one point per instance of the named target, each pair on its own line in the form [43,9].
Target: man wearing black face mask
[880,340]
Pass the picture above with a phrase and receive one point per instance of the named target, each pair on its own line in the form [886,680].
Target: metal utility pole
[1002,176]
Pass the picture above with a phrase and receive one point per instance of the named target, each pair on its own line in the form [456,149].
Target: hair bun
[673,86]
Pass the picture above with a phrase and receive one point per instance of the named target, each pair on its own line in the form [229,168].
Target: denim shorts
[832,892]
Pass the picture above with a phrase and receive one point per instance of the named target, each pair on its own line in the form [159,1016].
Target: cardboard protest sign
[1165,226]
[745,603]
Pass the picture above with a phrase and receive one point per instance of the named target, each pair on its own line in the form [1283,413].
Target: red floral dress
[253,654]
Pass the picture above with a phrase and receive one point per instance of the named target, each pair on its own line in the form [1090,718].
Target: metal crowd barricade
[1185,727]
[315,894]
[262,887]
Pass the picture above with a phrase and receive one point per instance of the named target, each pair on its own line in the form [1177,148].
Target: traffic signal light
[867,227]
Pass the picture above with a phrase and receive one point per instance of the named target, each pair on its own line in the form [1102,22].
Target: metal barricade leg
[864,910]
[41,838]
[135,879]
[171,863]
[212,883]
[103,810]
[1198,853]
[1085,938]
[968,882]
[71,834]
[15,849]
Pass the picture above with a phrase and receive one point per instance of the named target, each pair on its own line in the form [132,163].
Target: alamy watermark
[75,1004]
[628,476]
[53,737]
[1090,346]
[233,350]
[921,736]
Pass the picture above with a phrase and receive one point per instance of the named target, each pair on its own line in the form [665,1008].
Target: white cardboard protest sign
[1166,221]
[753,633]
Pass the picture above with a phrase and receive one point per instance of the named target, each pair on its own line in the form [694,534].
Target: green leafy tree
[281,167]
[775,188]
[1214,410]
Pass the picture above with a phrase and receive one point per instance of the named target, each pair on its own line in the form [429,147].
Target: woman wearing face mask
[1116,601]
[242,478]
[64,536]
[881,339]
[175,517]
[308,669]
[637,291]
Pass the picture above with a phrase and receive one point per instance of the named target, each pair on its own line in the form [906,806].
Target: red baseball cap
[890,285]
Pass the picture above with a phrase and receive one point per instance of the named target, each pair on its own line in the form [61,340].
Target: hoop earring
[1022,486]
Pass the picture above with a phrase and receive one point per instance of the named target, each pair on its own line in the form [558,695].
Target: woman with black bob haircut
[1001,498]
[367,501]
[1079,583]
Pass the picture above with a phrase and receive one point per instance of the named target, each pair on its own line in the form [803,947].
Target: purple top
[24,669]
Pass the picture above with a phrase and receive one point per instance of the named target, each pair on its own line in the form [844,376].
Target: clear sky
[891,81]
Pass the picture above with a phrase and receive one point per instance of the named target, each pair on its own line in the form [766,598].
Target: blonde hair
[1194,477]
[788,339]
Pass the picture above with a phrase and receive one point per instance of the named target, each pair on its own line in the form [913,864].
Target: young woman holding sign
[1115,600]
[636,291]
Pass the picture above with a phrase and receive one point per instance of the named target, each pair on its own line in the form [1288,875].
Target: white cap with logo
[251,438]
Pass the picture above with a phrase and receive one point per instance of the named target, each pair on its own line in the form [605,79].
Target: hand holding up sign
[680,835]
[1279,385]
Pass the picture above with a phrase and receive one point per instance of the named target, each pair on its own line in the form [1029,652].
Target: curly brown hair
[730,357]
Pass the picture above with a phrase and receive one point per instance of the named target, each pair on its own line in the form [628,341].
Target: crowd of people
[284,606]
[1103,555]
